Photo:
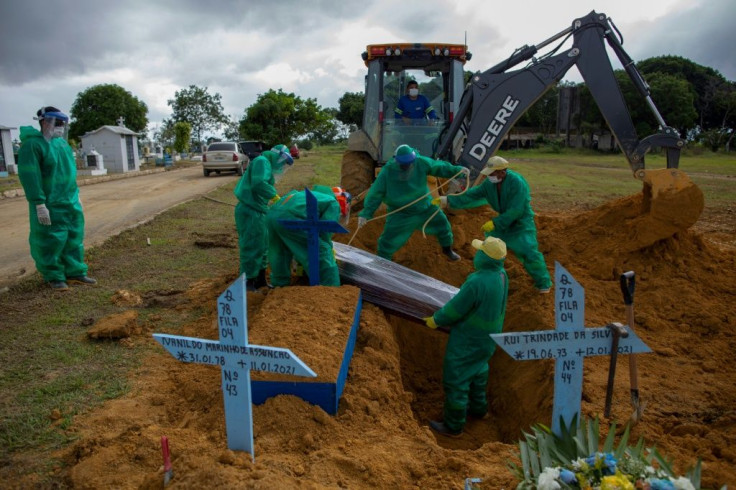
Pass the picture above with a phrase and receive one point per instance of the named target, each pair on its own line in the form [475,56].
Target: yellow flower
[616,482]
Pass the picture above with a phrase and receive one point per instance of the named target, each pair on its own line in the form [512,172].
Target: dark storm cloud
[54,39]
[702,33]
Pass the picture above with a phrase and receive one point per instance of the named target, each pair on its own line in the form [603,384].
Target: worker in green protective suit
[255,192]
[402,181]
[48,173]
[475,312]
[507,192]
[333,204]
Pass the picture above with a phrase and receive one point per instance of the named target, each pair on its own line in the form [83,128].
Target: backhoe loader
[475,118]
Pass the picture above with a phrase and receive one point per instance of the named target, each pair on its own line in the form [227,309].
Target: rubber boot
[261,281]
[450,253]
[440,427]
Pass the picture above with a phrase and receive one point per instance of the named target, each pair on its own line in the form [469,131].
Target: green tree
[713,96]
[673,97]
[705,82]
[279,117]
[102,105]
[542,115]
[676,99]
[350,110]
[165,134]
[202,110]
[231,131]
[183,135]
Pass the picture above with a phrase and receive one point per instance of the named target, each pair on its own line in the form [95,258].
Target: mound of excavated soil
[684,310]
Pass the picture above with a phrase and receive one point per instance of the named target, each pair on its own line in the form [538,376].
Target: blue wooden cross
[568,345]
[314,227]
[236,357]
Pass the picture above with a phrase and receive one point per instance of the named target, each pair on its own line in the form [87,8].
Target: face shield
[283,157]
[405,156]
[54,125]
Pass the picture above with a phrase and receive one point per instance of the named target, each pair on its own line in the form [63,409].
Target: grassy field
[51,371]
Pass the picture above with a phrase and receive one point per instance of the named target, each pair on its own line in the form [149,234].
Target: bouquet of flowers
[573,461]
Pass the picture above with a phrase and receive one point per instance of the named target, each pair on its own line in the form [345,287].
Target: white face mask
[493,179]
[58,132]
[413,92]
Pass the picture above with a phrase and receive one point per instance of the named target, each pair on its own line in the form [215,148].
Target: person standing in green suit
[255,192]
[48,174]
[402,181]
[507,192]
[476,311]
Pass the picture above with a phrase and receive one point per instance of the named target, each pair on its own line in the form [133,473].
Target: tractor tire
[356,175]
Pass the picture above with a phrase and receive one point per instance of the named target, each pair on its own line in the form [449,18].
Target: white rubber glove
[361,222]
[44,217]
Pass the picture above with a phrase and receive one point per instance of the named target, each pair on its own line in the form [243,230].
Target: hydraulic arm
[495,99]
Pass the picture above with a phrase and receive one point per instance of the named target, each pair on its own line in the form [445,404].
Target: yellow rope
[467,184]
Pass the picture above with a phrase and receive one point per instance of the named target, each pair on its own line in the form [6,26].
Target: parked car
[294,151]
[252,148]
[224,156]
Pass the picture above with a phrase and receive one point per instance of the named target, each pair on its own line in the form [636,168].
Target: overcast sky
[52,50]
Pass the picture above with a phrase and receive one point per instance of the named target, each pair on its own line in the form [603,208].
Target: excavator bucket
[671,197]
[670,203]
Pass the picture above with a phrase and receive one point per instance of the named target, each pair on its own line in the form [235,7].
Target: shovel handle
[628,282]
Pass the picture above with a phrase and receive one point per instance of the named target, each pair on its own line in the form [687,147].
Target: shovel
[168,470]
[618,331]
[628,282]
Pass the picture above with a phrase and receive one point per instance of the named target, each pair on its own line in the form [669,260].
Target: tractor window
[421,134]
[372,98]
[430,86]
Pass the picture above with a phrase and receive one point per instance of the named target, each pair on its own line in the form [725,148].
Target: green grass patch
[49,364]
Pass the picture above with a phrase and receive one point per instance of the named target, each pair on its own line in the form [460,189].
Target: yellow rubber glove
[488,226]
[274,199]
[440,201]
[430,322]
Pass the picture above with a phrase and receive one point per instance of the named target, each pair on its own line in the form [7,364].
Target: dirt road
[109,208]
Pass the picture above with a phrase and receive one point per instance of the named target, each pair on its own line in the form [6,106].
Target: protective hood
[278,165]
[483,261]
[28,132]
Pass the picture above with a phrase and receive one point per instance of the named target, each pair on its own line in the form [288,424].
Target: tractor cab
[438,70]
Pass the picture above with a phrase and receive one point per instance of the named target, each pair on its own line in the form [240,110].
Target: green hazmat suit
[514,224]
[285,244]
[48,174]
[254,190]
[397,187]
[476,311]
